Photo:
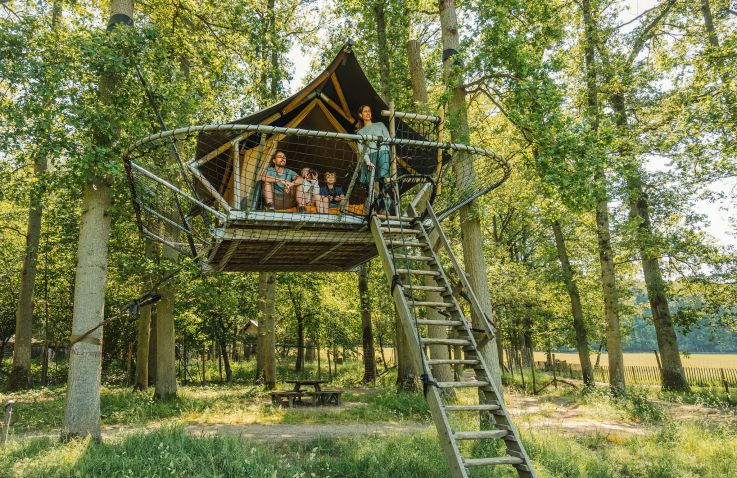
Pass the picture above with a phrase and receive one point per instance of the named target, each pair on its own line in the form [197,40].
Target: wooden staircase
[405,246]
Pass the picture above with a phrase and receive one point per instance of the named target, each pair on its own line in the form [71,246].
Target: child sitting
[330,193]
[309,193]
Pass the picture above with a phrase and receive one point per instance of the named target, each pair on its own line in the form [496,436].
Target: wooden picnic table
[318,397]
[299,383]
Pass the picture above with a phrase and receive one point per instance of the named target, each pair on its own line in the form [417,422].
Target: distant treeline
[703,337]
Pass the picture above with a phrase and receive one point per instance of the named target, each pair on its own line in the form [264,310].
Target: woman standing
[375,155]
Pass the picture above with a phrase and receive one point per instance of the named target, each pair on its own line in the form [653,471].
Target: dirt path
[528,413]
[272,432]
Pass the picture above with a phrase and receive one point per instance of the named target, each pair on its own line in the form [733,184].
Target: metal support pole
[439,168]
[236,158]
[393,134]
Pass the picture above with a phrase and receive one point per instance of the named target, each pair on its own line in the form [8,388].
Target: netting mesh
[260,197]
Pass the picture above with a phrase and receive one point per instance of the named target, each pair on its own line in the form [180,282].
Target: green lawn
[674,451]
[668,447]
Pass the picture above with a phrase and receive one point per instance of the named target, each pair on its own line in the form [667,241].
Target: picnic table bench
[286,398]
[317,397]
[324,397]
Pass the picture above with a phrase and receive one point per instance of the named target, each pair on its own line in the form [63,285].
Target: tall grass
[676,450]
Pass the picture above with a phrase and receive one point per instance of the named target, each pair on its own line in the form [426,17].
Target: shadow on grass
[173,452]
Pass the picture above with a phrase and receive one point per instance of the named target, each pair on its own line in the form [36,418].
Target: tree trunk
[442,373]
[582,343]
[673,375]
[606,256]
[300,362]
[152,348]
[369,356]
[226,360]
[82,412]
[82,409]
[142,346]
[406,379]
[266,353]
[310,351]
[384,67]
[417,75]
[144,334]
[709,23]
[471,237]
[20,373]
[166,372]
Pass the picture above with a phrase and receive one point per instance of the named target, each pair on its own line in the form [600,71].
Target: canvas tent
[328,103]
[229,165]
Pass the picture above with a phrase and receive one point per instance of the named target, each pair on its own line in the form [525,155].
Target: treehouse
[200,189]
[286,189]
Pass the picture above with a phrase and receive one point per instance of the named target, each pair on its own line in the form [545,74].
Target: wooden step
[452,362]
[427,288]
[448,323]
[461,342]
[407,244]
[481,435]
[406,257]
[478,408]
[438,305]
[474,383]
[400,230]
[396,218]
[417,272]
[499,460]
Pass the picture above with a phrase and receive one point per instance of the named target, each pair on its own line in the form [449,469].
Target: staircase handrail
[486,322]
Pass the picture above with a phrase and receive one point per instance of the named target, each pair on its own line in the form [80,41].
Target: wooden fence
[641,375]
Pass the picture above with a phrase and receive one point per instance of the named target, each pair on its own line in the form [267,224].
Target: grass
[668,447]
[674,451]
[42,410]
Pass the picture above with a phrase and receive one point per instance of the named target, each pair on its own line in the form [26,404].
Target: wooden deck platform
[291,242]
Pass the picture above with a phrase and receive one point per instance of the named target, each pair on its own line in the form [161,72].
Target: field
[648,359]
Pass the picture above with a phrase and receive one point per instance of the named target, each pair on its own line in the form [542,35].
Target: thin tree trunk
[369,356]
[216,351]
[384,67]
[582,343]
[144,333]
[166,376]
[266,353]
[709,23]
[226,360]
[673,375]
[606,256]
[300,362]
[442,373]
[310,351]
[417,75]
[406,379]
[319,361]
[142,348]
[20,373]
[47,333]
[152,348]
[471,237]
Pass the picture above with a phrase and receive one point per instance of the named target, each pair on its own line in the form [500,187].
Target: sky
[718,215]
